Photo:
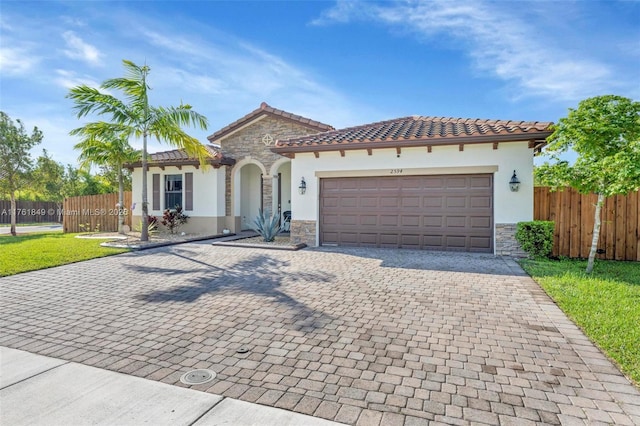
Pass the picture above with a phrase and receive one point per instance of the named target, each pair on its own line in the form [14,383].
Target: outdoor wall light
[303,187]
[514,183]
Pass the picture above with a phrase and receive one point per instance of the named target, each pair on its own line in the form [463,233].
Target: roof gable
[419,131]
[261,112]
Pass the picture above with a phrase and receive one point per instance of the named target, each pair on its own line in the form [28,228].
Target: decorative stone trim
[506,244]
[303,232]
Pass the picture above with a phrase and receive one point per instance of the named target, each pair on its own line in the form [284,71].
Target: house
[242,175]
[413,182]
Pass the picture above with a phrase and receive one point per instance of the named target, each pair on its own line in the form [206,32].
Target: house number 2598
[396,171]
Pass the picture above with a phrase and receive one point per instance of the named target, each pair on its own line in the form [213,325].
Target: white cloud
[343,12]
[174,43]
[68,79]
[500,43]
[80,50]
[16,60]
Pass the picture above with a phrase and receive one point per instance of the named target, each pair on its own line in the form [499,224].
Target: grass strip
[30,252]
[605,304]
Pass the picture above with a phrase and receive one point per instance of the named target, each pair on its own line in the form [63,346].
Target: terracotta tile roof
[178,157]
[418,131]
[266,109]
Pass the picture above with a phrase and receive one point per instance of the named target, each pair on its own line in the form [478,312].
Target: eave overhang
[536,142]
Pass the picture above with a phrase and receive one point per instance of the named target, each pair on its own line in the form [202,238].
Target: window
[172,191]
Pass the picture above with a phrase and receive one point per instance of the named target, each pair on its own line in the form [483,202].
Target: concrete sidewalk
[39,390]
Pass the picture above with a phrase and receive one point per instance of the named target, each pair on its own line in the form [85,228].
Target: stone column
[506,244]
[267,193]
[227,191]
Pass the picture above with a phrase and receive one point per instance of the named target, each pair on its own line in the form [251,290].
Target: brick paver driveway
[353,335]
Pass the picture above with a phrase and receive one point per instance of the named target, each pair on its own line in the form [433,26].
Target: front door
[279,199]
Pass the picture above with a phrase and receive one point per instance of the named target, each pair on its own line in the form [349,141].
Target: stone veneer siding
[247,143]
[303,231]
[506,244]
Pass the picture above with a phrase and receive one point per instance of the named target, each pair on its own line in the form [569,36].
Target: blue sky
[343,63]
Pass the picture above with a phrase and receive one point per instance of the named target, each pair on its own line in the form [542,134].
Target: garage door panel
[412,183]
[411,202]
[477,182]
[330,219]
[369,202]
[456,241]
[370,239]
[348,219]
[457,182]
[389,220]
[456,202]
[431,201]
[389,240]
[410,241]
[366,184]
[410,221]
[433,241]
[480,242]
[481,222]
[480,202]
[433,182]
[329,202]
[348,202]
[369,220]
[449,212]
[387,183]
[348,238]
[389,201]
[331,185]
[330,236]
[457,222]
[433,221]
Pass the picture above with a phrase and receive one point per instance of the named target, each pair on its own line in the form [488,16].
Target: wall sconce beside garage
[514,183]
[303,187]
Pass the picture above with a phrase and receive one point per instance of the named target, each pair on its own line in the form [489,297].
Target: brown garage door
[443,212]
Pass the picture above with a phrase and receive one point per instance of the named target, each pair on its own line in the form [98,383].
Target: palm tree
[103,149]
[133,116]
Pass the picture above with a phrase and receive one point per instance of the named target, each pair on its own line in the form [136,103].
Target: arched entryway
[248,192]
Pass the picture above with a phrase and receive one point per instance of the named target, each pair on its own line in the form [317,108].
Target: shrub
[153,222]
[173,219]
[152,226]
[536,237]
[267,225]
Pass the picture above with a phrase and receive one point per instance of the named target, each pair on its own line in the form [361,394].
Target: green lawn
[30,252]
[606,305]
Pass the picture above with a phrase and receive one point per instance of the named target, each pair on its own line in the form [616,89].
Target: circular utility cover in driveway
[197,377]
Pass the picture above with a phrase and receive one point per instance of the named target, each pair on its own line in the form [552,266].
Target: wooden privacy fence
[30,211]
[573,214]
[94,213]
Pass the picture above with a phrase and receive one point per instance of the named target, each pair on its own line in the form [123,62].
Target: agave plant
[267,225]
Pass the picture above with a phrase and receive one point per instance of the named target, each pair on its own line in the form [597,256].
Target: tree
[49,180]
[605,133]
[107,150]
[15,159]
[135,117]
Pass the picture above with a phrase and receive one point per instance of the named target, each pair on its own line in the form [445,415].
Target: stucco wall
[208,195]
[509,207]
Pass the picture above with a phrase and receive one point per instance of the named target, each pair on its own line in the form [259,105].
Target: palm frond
[88,100]
[165,128]
[104,145]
